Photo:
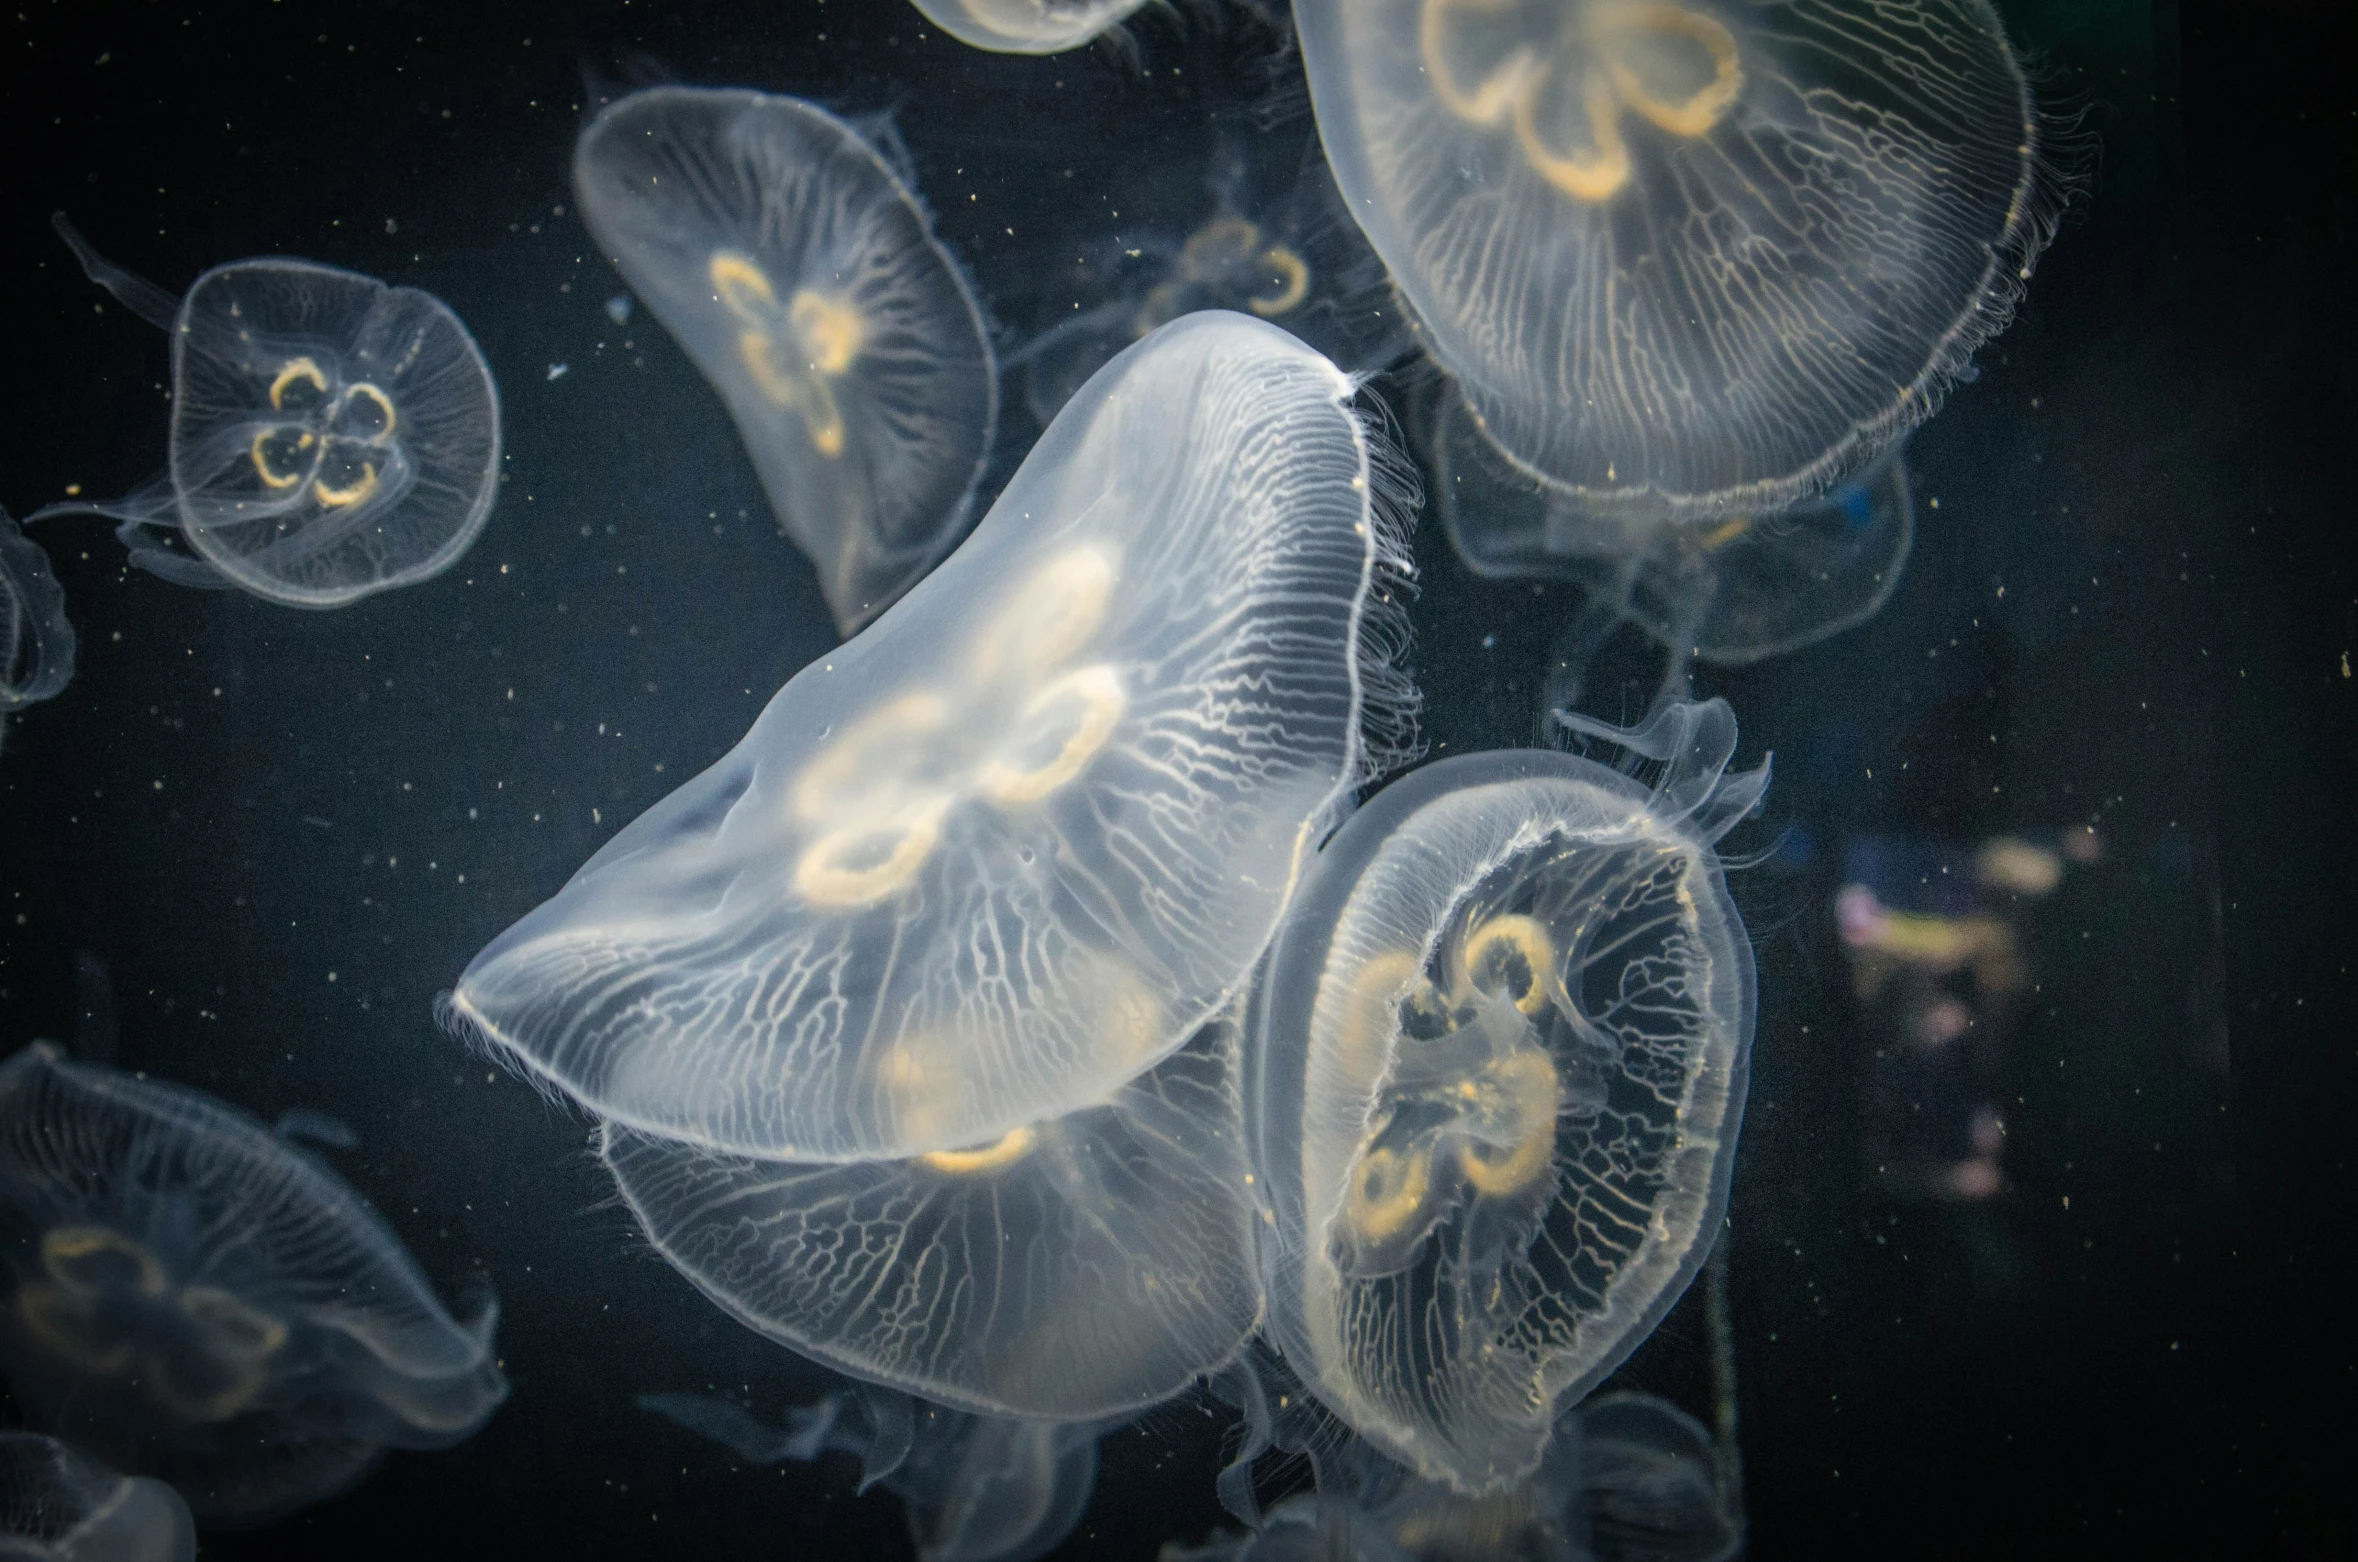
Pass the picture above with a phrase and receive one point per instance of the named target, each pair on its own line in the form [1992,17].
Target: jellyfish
[1026,26]
[1736,589]
[194,1299]
[977,1488]
[59,1505]
[36,642]
[1085,1266]
[1026,834]
[331,436]
[1503,1047]
[1279,248]
[795,265]
[1688,258]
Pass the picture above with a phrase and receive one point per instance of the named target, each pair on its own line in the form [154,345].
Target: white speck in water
[618,308]
[557,370]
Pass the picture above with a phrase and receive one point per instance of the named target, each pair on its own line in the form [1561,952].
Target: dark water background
[2132,607]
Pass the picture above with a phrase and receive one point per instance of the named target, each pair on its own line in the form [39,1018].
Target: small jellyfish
[58,1505]
[977,1488]
[190,1297]
[1730,590]
[331,436]
[1689,257]
[1024,836]
[1280,248]
[794,264]
[1503,1050]
[1026,26]
[36,642]
[1086,1266]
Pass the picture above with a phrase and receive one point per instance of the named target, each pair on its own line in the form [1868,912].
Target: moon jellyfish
[1731,590]
[977,1488]
[1289,255]
[36,642]
[1020,839]
[1026,26]
[331,436]
[191,1298]
[1689,257]
[1503,1053]
[1084,1266]
[57,1505]
[797,268]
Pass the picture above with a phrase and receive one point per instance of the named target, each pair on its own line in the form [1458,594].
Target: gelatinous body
[1503,1054]
[36,641]
[800,272]
[1016,842]
[1026,26]
[191,1298]
[1082,1267]
[977,1488]
[1689,257]
[1733,589]
[59,1505]
[331,436]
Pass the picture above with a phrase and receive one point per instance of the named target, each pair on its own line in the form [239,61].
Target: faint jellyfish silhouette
[58,1505]
[976,1488]
[1733,590]
[1020,840]
[36,642]
[1084,1266]
[331,436]
[1626,1478]
[194,1299]
[1289,254]
[1689,257]
[794,264]
[1026,26]
[1503,1051]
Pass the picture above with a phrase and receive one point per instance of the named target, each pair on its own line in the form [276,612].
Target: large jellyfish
[58,1505]
[1731,590]
[794,263]
[1689,257]
[1026,26]
[1020,839]
[977,1488]
[1502,1065]
[331,436]
[1275,243]
[1080,1267]
[36,641]
[192,1298]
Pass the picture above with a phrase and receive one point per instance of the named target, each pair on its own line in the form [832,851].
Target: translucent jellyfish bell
[1688,257]
[1086,1266]
[1026,26]
[1021,838]
[977,1488]
[194,1299]
[798,269]
[1503,1049]
[36,641]
[57,1505]
[331,436]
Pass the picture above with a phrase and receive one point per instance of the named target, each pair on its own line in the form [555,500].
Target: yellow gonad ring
[823,877]
[64,1248]
[1488,102]
[1293,282]
[1053,616]
[288,373]
[272,478]
[845,775]
[1708,104]
[1509,938]
[338,498]
[1013,1147]
[364,391]
[1388,1191]
[1586,177]
[1097,690]
[830,330]
[1527,1082]
[742,288]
